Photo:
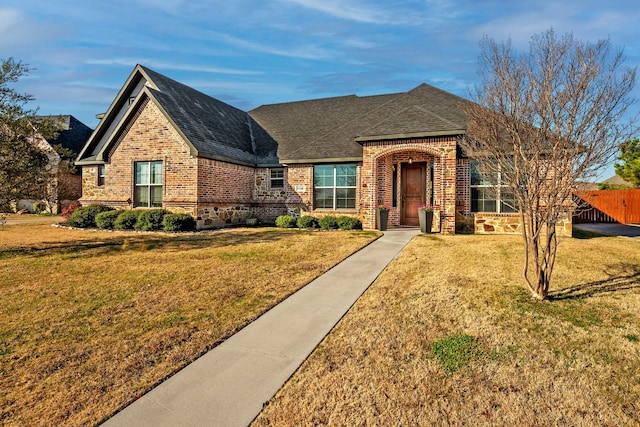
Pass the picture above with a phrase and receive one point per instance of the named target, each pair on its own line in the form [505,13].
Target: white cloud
[18,31]
[341,9]
[152,63]
[9,17]
[303,52]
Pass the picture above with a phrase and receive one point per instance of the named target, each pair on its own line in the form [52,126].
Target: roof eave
[452,132]
[224,159]
[322,160]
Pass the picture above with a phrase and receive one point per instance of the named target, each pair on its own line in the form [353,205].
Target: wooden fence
[621,206]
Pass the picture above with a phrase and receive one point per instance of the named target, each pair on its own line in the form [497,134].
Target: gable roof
[331,129]
[212,128]
[313,131]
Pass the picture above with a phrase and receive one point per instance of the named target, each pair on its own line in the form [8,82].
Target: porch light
[410,160]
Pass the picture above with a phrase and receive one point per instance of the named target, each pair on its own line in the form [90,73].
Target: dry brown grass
[91,320]
[574,361]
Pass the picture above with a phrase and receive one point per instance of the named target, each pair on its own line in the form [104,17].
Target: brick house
[64,187]
[164,144]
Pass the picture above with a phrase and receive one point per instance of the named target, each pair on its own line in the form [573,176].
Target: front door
[413,192]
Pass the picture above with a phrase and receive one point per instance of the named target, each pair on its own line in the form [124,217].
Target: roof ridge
[394,97]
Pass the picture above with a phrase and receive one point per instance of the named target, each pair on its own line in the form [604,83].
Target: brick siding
[379,158]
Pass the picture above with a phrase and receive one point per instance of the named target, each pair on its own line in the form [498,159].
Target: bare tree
[542,122]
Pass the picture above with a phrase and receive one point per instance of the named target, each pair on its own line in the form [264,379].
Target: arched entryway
[406,174]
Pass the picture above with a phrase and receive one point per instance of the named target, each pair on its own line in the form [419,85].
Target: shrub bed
[85,217]
[307,221]
[329,222]
[126,220]
[107,219]
[178,222]
[286,221]
[151,220]
[349,223]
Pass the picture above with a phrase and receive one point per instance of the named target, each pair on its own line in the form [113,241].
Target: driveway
[611,229]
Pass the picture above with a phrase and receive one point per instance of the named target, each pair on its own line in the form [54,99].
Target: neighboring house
[64,187]
[616,182]
[164,144]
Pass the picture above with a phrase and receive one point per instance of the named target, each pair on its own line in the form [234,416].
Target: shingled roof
[72,133]
[331,129]
[321,130]
[216,129]
[212,128]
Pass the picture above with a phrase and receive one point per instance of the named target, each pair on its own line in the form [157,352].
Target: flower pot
[426,221]
[383,219]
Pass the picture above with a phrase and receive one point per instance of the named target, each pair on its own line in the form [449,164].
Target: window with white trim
[148,185]
[489,197]
[334,186]
[276,178]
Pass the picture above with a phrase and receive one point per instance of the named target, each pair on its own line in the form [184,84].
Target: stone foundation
[490,223]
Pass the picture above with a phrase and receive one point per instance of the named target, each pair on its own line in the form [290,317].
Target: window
[101,173]
[277,178]
[148,185]
[334,186]
[488,197]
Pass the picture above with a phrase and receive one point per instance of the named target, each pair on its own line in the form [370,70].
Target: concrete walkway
[614,229]
[229,385]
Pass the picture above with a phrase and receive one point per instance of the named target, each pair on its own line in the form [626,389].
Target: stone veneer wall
[492,223]
[224,193]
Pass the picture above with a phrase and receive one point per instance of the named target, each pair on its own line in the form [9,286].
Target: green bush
[307,221]
[39,207]
[151,220]
[329,222]
[106,219]
[286,221]
[178,222]
[85,217]
[349,223]
[126,220]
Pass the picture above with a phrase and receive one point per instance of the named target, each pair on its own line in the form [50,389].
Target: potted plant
[383,216]
[425,214]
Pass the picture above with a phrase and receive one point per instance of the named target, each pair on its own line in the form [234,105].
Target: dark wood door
[413,190]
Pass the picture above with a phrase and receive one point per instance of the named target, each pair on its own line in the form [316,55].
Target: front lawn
[447,336]
[90,320]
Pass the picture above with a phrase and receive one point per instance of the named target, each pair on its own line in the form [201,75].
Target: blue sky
[250,52]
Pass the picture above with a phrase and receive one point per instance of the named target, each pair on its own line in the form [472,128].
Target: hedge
[286,221]
[85,217]
[107,219]
[178,222]
[126,220]
[151,220]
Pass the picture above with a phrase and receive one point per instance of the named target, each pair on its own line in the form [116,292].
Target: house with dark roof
[64,186]
[164,144]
